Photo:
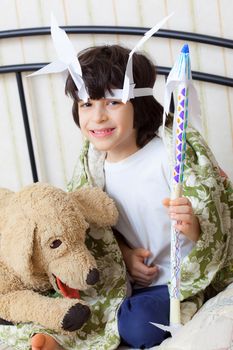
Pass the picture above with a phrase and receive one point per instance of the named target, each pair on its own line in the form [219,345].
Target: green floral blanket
[209,263]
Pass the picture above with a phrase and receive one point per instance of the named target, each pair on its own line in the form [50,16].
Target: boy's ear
[96,206]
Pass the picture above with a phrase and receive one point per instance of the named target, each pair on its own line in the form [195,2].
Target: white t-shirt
[138,184]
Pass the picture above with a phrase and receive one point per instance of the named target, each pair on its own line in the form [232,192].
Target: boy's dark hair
[103,69]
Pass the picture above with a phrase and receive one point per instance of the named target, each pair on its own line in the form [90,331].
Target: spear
[179,82]
[186,107]
[179,140]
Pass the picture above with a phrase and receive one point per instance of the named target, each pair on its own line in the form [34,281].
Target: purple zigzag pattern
[180,141]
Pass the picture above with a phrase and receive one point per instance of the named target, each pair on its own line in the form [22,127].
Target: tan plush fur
[42,232]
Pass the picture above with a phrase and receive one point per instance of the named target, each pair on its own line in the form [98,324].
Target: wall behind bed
[56,140]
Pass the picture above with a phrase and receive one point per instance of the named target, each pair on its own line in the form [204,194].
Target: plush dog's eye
[55,244]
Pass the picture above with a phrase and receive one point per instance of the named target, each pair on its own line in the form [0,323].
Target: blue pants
[146,305]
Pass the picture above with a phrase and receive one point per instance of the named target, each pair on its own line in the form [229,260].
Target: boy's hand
[138,270]
[181,211]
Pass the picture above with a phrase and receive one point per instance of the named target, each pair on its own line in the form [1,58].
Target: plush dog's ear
[5,196]
[96,206]
[17,235]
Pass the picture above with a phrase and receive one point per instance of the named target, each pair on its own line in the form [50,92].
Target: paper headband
[67,60]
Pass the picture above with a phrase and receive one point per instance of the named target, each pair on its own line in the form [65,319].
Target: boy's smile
[108,124]
[102,132]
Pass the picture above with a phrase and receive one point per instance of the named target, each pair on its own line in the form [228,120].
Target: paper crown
[67,60]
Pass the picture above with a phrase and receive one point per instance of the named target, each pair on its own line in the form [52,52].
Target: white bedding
[210,329]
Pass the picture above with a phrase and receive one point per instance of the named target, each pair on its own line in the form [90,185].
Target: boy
[137,176]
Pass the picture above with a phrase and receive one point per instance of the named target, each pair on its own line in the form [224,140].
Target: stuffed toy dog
[42,247]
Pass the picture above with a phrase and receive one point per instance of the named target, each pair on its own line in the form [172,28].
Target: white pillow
[210,329]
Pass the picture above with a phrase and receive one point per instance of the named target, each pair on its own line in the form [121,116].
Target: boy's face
[108,125]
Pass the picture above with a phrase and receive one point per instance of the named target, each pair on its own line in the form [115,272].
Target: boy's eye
[113,102]
[85,105]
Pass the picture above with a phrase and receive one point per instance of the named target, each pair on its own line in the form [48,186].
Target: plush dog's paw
[76,316]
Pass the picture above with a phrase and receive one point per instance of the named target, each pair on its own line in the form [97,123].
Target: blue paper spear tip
[185,49]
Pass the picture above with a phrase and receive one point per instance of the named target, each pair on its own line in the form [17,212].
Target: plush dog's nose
[92,277]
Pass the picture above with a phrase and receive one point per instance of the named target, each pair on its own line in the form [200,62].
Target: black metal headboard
[168,34]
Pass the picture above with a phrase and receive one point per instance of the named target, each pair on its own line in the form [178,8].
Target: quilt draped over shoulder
[210,263]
